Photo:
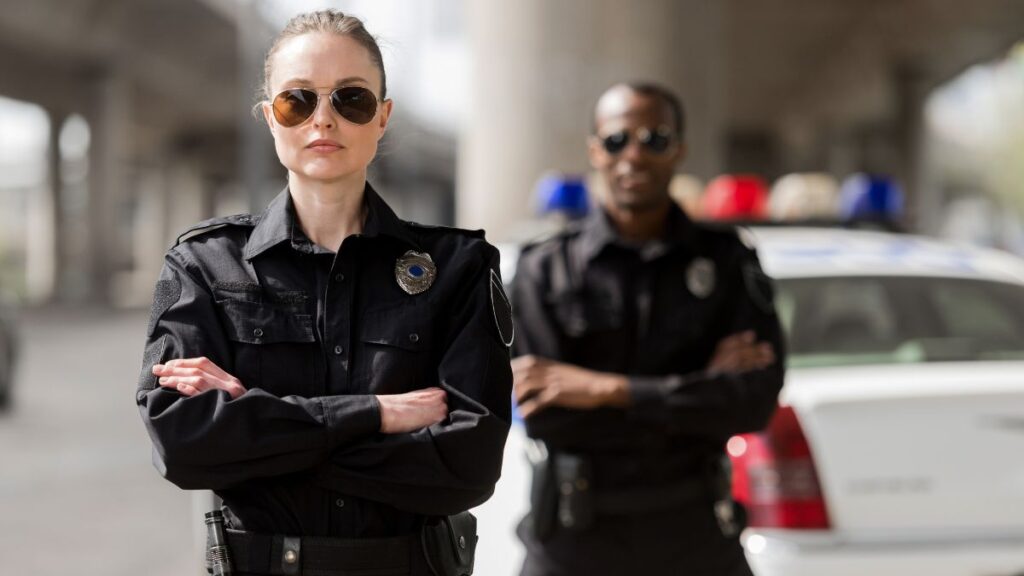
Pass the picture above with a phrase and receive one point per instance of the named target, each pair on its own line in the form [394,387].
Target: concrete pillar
[924,202]
[186,202]
[150,234]
[539,66]
[43,258]
[261,174]
[110,126]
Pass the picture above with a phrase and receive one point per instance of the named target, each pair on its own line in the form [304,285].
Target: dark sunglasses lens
[615,143]
[293,107]
[657,142]
[355,104]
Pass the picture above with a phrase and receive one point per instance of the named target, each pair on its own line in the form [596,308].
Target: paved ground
[78,494]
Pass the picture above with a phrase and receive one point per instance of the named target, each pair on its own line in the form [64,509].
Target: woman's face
[326,147]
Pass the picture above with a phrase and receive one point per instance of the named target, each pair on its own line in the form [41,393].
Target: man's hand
[741,352]
[539,383]
[413,410]
[192,376]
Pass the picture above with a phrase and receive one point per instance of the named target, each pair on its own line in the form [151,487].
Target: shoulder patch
[502,309]
[154,353]
[166,294]
[438,228]
[214,224]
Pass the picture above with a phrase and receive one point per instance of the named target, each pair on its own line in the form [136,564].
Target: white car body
[919,463]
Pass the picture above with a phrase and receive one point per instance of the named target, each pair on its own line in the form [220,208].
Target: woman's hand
[192,376]
[412,410]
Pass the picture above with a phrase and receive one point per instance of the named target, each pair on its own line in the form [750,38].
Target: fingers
[736,341]
[528,376]
[524,388]
[198,382]
[198,375]
[187,385]
[741,352]
[208,365]
[527,362]
[538,402]
[203,363]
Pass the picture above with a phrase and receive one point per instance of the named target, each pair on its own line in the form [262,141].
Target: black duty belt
[315,556]
[679,494]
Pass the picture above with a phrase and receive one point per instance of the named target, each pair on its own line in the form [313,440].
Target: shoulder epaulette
[566,232]
[438,228]
[214,224]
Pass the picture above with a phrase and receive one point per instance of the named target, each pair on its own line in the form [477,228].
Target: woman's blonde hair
[330,22]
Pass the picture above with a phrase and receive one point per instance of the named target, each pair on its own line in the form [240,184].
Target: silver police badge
[700,277]
[415,272]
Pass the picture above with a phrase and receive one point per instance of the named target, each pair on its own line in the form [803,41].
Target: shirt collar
[598,232]
[278,223]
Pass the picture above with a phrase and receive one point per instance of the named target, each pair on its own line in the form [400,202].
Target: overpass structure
[770,87]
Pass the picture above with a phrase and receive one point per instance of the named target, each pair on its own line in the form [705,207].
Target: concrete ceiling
[167,51]
[837,61]
[833,63]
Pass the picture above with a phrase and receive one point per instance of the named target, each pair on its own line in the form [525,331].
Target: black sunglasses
[294,106]
[656,141]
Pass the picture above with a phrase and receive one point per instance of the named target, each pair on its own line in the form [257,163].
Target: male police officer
[647,341]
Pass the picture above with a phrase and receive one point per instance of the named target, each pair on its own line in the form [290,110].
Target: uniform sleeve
[537,333]
[210,441]
[722,404]
[454,465]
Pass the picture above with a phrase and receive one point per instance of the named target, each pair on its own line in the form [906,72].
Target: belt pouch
[574,482]
[449,543]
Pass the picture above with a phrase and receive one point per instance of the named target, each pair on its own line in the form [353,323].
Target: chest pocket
[587,313]
[273,341]
[396,351]
[684,336]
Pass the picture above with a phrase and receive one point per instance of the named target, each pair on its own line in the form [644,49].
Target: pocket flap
[263,323]
[405,327]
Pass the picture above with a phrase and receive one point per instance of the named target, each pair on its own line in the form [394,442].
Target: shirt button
[339,277]
[258,332]
[340,502]
[338,350]
[414,337]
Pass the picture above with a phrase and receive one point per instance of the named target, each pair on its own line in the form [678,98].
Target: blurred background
[123,122]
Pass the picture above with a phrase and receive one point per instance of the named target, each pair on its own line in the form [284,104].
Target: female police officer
[338,376]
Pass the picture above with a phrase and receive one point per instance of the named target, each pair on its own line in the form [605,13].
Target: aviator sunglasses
[656,141]
[294,106]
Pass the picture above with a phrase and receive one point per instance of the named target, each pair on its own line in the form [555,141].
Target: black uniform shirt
[314,336]
[654,312]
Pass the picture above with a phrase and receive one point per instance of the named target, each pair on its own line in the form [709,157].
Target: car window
[867,320]
[969,310]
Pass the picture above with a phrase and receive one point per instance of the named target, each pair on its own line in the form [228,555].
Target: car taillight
[775,478]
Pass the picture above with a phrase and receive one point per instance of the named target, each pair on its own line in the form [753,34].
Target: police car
[897,446]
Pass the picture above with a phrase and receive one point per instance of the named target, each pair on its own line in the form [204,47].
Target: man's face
[635,148]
